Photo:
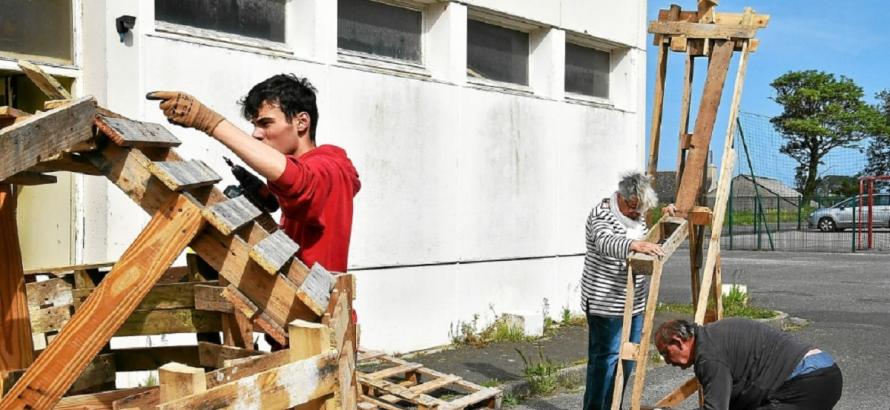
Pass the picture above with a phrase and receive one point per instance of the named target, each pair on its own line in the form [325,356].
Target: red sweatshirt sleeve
[301,189]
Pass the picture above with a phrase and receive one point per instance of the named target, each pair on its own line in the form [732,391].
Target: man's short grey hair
[679,328]
[637,184]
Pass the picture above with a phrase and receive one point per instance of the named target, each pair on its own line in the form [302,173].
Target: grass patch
[501,330]
[509,400]
[540,374]
[735,304]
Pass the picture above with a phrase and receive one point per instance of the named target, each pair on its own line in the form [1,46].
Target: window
[379,29]
[39,28]
[587,71]
[497,53]
[263,19]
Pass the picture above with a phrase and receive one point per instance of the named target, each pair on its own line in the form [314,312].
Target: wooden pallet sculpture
[261,285]
[703,32]
[396,384]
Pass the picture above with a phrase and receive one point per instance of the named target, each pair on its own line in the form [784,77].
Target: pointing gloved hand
[185,110]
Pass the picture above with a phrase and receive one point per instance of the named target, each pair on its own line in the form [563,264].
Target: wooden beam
[697,155]
[177,380]
[157,246]
[252,312]
[726,165]
[729,19]
[700,30]
[684,137]
[159,322]
[10,115]
[129,133]
[45,82]
[236,369]
[66,162]
[16,348]
[657,110]
[281,387]
[145,400]
[215,356]
[274,252]
[676,397]
[45,134]
[98,401]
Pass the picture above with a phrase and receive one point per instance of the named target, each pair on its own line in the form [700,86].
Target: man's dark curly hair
[291,93]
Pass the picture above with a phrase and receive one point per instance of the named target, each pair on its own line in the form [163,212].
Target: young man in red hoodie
[313,184]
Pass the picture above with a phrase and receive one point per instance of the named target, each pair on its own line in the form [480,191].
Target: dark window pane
[587,71]
[36,27]
[497,53]
[374,28]
[251,18]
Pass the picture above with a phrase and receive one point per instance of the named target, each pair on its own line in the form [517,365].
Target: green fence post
[731,181]
[757,219]
[778,213]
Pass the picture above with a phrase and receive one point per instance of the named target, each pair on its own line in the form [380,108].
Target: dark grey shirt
[739,361]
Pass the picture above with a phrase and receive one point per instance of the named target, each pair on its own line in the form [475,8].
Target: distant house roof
[743,186]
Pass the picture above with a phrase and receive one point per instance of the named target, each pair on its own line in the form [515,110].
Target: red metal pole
[871,202]
[858,219]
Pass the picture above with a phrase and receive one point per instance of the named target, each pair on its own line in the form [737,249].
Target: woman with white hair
[615,227]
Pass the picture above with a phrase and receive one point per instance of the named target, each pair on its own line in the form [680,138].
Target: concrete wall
[474,196]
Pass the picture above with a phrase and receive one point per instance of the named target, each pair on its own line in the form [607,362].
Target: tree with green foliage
[879,149]
[821,112]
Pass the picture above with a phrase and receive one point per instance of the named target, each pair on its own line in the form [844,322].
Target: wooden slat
[215,356]
[242,303]
[46,83]
[66,162]
[402,392]
[700,30]
[177,380]
[159,322]
[275,294]
[151,358]
[759,20]
[51,292]
[210,298]
[128,133]
[145,400]
[282,387]
[24,143]
[30,178]
[315,291]
[230,215]
[157,246]
[161,296]
[690,183]
[657,110]
[473,398]
[677,396]
[184,175]
[392,371]
[236,369]
[50,319]
[98,373]
[16,346]
[644,264]
[62,270]
[98,401]
[646,335]
[629,284]
[274,251]
[434,384]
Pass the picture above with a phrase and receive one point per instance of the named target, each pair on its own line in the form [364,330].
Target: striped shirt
[604,281]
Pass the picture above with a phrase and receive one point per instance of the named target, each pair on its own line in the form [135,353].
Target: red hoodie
[315,193]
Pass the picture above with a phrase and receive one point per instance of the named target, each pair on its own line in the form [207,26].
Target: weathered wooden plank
[240,368]
[98,373]
[230,215]
[657,110]
[674,398]
[701,30]
[393,371]
[65,162]
[274,251]
[759,20]
[46,83]
[175,274]
[24,143]
[487,393]
[210,298]
[158,322]
[97,401]
[16,346]
[245,306]
[145,400]
[339,321]
[55,291]
[50,319]
[687,192]
[30,178]
[157,246]
[315,291]
[215,356]
[275,294]
[281,387]
[63,270]
[151,358]
[161,296]
[184,175]
[425,401]
[434,384]
[128,133]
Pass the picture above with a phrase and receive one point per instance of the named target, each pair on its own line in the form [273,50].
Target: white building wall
[473,198]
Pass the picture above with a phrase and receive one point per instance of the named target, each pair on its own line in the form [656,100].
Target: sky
[845,38]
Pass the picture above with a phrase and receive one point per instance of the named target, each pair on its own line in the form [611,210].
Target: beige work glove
[185,110]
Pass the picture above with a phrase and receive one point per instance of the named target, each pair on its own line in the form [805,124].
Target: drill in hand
[251,187]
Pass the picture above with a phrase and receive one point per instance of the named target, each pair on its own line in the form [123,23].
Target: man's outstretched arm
[185,110]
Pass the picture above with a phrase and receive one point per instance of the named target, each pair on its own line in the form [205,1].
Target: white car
[840,215]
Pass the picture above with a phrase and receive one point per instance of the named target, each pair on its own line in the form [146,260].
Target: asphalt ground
[845,296]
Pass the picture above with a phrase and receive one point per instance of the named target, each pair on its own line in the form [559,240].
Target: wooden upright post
[105,310]
[16,349]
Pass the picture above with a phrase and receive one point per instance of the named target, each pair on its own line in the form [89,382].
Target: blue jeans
[603,346]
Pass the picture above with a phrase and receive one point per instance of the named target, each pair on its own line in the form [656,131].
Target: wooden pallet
[396,384]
